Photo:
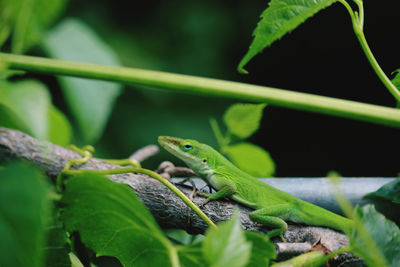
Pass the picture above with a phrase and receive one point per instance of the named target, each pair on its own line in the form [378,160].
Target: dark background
[208,38]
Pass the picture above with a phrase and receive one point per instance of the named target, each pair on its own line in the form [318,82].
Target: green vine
[206,86]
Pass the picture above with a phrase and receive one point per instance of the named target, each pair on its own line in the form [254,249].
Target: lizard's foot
[168,169]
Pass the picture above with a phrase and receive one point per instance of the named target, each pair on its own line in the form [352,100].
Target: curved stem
[358,25]
[154,175]
[212,87]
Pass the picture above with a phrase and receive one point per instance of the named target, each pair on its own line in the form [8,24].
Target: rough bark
[167,208]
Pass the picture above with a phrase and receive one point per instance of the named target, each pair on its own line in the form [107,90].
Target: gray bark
[166,207]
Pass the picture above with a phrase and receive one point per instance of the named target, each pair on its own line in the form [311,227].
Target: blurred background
[208,38]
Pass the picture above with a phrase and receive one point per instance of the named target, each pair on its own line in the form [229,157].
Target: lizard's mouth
[171,144]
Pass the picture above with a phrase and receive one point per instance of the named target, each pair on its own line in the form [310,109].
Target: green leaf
[90,101]
[389,191]
[32,18]
[227,245]
[24,209]
[57,248]
[192,255]
[29,100]
[262,250]
[60,131]
[383,243]
[396,79]
[26,106]
[243,120]
[280,17]
[251,159]
[112,221]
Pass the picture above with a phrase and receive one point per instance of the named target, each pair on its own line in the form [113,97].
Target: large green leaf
[90,101]
[379,243]
[26,106]
[389,191]
[243,120]
[262,250]
[24,210]
[57,248]
[280,17]
[251,158]
[227,245]
[192,255]
[31,19]
[59,131]
[29,100]
[112,221]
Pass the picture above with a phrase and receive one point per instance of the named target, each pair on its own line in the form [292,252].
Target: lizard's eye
[187,147]
[204,160]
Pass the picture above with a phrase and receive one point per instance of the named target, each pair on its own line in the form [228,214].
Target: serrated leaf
[251,159]
[280,18]
[243,120]
[60,131]
[24,209]
[385,236]
[389,191]
[262,249]
[227,245]
[29,100]
[90,101]
[112,221]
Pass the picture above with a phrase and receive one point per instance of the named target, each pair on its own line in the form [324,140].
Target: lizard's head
[193,153]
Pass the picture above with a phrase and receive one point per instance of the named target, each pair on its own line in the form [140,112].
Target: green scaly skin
[272,206]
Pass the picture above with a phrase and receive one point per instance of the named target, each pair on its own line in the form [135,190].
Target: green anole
[272,206]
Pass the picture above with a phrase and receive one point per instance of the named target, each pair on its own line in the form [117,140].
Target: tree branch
[166,207]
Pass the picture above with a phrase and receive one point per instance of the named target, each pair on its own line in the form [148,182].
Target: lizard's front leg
[227,190]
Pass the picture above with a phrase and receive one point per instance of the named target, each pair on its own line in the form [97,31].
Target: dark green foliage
[377,240]
[25,210]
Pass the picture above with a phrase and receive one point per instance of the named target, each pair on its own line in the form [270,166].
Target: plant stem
[358,25]
[154,175]
[212,87]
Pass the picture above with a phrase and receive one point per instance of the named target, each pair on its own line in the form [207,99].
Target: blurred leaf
[112,221]
[251,158]
[6,18]
[333,174]
[26,106]
[57,249]
[280,17]
[227,245]
[60,131]
[32,18]
[262,249]
[243,120]
[24,209]
[90,101]
[389,191]
[181,236]
[192,255]
[29,100]
[385,238]
[9,119]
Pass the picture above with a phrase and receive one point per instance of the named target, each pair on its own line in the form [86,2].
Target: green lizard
[272,206]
